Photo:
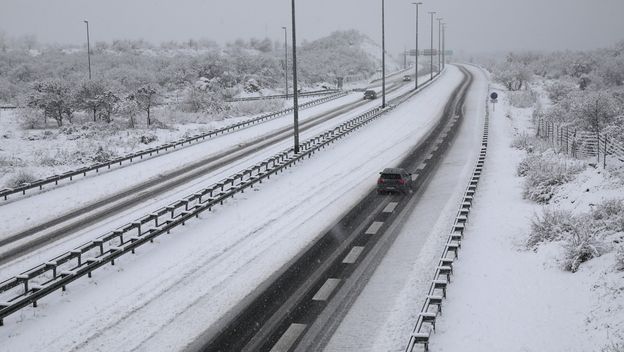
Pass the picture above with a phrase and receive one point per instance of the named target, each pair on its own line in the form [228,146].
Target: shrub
[619,258]
[102,155]
[613,347]
[20,178]
[544,173]
[247,108]
[523,142]
[540,187]
[148,138]
[580,246]
[527,164]
[30,118]
[610,214]
[522,99]
[552,225]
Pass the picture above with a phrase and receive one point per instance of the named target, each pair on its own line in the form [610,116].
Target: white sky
[474,25]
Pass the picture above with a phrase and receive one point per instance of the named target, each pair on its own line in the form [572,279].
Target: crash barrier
[581,144]
[315,93]
[146,153]
[32,285]
[432,306]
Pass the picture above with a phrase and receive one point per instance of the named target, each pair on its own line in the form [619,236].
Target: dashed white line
[353,255]
[288,339]
[326,290]
[390,207]
[374,227]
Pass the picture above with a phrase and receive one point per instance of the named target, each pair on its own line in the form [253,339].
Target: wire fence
[581,144]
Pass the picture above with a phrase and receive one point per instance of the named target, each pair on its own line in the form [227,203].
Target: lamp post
[88,48]
[286,58]
[431,53]
[439,44]
[443,45]
[416,54]
[295,93]
[383,55]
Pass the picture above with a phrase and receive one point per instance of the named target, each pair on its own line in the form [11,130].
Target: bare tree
[145,98]
[595,111]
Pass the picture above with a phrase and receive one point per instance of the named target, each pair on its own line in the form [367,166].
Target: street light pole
[443,45]
[416,61]
[295,93]
[88,48]
[286,58]
[431,53]
[439,44]
[383,55]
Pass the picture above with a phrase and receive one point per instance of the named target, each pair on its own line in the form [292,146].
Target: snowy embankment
[505,297]
[169,293]
[43,152]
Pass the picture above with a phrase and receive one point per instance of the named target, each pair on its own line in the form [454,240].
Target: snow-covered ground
[169,293]
[506,298]
[48,151]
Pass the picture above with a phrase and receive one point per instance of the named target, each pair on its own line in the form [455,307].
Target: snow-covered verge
[28,154]
[537,276]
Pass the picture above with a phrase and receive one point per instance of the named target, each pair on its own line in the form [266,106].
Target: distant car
[394,180]
[370,94]
[407,78]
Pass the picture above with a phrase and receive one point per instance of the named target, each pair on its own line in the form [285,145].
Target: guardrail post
[78,254]
[23,278]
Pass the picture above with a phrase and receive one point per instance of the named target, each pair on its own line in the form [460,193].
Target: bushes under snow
[20,178]
[583,236]
[582,245]
[544,173]
[551,225]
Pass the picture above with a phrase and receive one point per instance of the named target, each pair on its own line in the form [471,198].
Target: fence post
[574,144]
[598,146]
[567,139]
[604,154]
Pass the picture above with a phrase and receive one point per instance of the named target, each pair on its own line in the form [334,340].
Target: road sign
[427,52]
[494,100]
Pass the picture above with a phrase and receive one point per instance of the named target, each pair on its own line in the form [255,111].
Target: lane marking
[374,227]
[288,339]
[326,290]
[353,255]
[390,207]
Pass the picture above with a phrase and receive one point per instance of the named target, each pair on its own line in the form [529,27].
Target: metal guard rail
[4,193]
[286,96]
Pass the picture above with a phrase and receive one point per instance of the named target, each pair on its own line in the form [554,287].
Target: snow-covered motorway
[163,298]
[87,201]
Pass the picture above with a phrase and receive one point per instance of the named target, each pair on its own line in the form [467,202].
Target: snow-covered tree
[54,98]
[145,98]
[96,96]
[594,110]
[513,76]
